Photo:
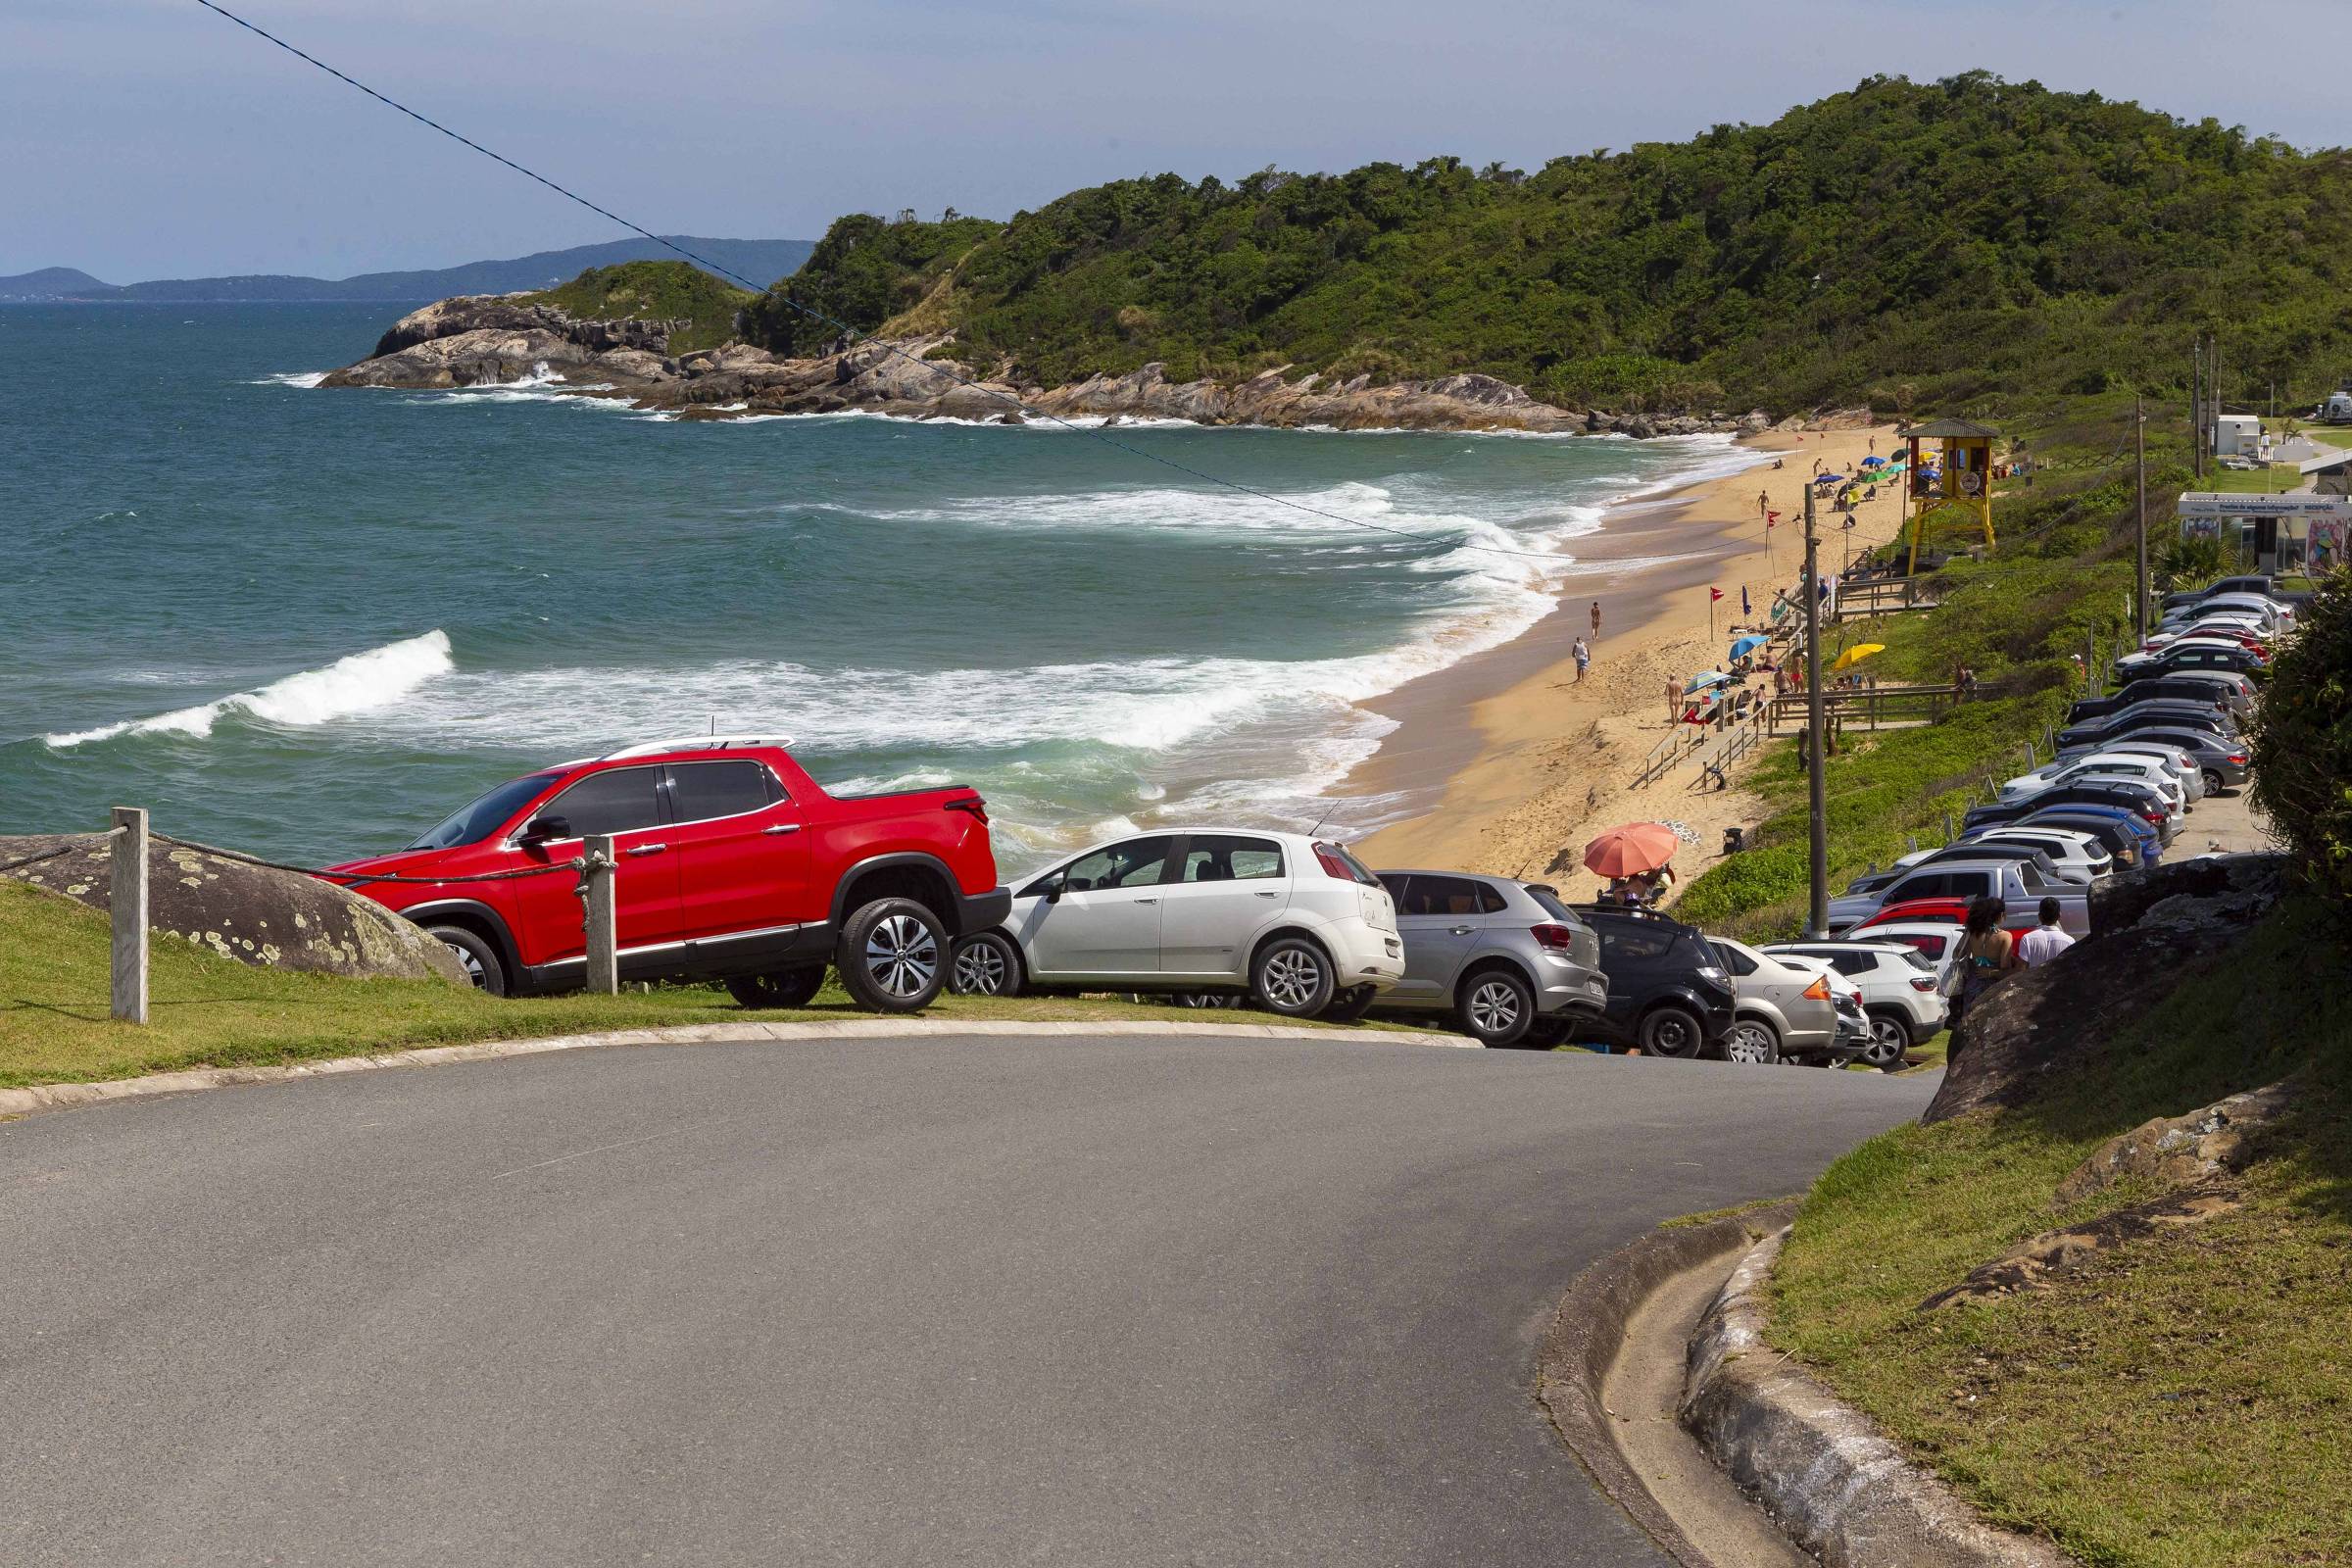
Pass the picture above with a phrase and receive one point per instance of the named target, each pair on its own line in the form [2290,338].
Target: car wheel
[2213,781]
[1753,1044]
[1291,977]
[778,987]
[891,957]
[986,966]
[1350,1004]
[1671,1032]
[1888,1040]
[1207,1000]
[476,954]
[1495,1009]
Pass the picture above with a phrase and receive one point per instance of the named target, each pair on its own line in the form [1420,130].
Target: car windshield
[485,814]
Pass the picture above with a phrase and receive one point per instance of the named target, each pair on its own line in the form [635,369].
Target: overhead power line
[854,333]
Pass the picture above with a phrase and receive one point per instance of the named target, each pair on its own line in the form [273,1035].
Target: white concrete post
[126,915]
[601,928]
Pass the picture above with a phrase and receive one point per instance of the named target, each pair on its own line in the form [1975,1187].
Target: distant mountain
[761,260]
[52,283]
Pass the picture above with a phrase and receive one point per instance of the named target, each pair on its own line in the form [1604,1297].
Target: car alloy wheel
[1752,1043]
[1293,977]
[1494,1008]
[468,962]
[1888,1040]
[985,965]
[901,956]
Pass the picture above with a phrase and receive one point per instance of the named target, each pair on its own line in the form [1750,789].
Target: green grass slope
[1908,243]
[655,291]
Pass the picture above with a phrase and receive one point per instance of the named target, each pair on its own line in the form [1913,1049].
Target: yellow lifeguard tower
[1963,477]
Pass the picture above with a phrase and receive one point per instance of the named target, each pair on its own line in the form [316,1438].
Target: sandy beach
[1518,762]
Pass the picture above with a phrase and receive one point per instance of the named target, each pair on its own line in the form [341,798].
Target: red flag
[1770,519]
[1714,594]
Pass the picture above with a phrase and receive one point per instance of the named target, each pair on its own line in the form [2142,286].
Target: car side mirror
[541,829]
[1054,890]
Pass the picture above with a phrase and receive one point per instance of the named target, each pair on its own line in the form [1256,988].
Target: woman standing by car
[1986,953]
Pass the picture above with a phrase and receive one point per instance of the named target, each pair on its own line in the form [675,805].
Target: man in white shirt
[2044,942]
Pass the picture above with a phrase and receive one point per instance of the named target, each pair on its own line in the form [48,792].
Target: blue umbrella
[1830,478]
[1873,463]
[1741,648]
[1708,677]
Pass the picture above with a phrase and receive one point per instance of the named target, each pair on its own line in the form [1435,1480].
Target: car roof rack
[696,743]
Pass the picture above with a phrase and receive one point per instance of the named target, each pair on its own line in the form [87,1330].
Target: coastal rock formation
[2149,931]
[482,340]
[252,913]
[477,340]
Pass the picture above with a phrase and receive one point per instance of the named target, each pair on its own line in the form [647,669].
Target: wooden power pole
[2139,486]
[1816,922]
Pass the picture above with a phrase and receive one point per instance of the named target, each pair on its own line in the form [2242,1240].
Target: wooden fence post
[595,890]
[126,915]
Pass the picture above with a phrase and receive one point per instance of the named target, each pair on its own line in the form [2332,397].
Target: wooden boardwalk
[1874,707]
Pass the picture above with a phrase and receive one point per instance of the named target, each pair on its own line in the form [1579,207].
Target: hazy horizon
[150,139]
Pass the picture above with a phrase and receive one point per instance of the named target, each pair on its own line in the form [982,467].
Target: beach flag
[1770,520]
[1714,594]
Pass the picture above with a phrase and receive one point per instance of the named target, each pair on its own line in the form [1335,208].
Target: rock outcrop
[2054,1254]
[483,340]
[2148,932]
[254,914]
[2202,1148]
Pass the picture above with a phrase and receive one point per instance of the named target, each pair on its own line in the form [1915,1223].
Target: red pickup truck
[734,865]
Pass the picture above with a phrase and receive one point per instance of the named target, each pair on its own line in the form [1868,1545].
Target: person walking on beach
[2045,940]
[1674,700]
[1596,617]
[1582,657]
[1764,501]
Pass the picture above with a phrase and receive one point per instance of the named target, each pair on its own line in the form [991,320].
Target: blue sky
[145,138]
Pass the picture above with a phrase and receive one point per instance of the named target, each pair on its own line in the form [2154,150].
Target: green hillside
[1912,244]
[655,291]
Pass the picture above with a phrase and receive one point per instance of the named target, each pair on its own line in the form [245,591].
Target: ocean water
[308,623]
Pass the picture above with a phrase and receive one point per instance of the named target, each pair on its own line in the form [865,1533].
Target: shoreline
[1506,764]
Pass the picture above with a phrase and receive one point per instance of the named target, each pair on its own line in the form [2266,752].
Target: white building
[2293,532]
[2236,435]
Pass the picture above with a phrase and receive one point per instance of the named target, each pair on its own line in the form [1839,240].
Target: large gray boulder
[254,914]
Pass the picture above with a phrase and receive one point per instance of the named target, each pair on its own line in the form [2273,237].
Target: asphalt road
[928,1301]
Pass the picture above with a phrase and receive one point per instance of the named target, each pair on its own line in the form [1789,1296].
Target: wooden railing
[1873,706]
[1886,596]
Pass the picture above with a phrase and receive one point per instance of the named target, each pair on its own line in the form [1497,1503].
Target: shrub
[2302,759]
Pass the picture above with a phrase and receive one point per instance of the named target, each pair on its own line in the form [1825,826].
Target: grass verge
[2185,1401]
[211,1011]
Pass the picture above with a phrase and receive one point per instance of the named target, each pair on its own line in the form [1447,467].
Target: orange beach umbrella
[1631,850]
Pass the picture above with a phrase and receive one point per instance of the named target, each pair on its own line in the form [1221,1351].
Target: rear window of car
[1931,944]
[1632,939]
[1549,903]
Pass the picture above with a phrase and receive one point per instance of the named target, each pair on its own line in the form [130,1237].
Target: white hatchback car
[1295,922]
[1902,990]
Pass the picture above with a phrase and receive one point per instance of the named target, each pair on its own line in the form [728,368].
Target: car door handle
[1147,900]
[1462,930]
[782,827]
[647,849]
[1265,895]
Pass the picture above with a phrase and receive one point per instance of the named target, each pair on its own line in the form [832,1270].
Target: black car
[2175,660]
[2119,842]
[2120,724]
[2141,800]
[2184,686]
[1670,992]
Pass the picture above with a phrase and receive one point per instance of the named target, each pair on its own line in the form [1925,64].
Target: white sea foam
[305,379]
[354,684]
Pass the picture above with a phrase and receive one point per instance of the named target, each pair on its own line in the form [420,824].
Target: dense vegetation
[2303,739]
[1930,245]
[670,292]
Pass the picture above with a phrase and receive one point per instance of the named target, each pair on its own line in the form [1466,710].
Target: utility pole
[2140,484]
[1817,923]
[2196,406]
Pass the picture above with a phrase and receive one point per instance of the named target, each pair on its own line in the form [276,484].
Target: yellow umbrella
[1856,653]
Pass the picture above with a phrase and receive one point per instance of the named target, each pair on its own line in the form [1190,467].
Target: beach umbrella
[1742,646]
[1631,850]
[1707,677]
[1828,478]
[1873,462]
[1856,653]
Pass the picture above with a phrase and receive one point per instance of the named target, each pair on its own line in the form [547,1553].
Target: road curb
[1835,1484]
[1590,1328]
[14,1103]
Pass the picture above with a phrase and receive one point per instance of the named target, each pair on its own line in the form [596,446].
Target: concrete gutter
[1589,1331]
[66,1097]
[1835,1483]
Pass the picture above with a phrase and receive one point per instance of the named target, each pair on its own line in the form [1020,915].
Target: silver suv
[1499,957]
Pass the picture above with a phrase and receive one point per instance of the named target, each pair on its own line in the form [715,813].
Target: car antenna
[1328,807]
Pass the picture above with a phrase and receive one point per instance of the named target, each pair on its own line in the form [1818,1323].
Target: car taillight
[1921,982]
[1558,938]
[2237,757]
[2155,817]
[1819,990]
[977,806]
[1329,860]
